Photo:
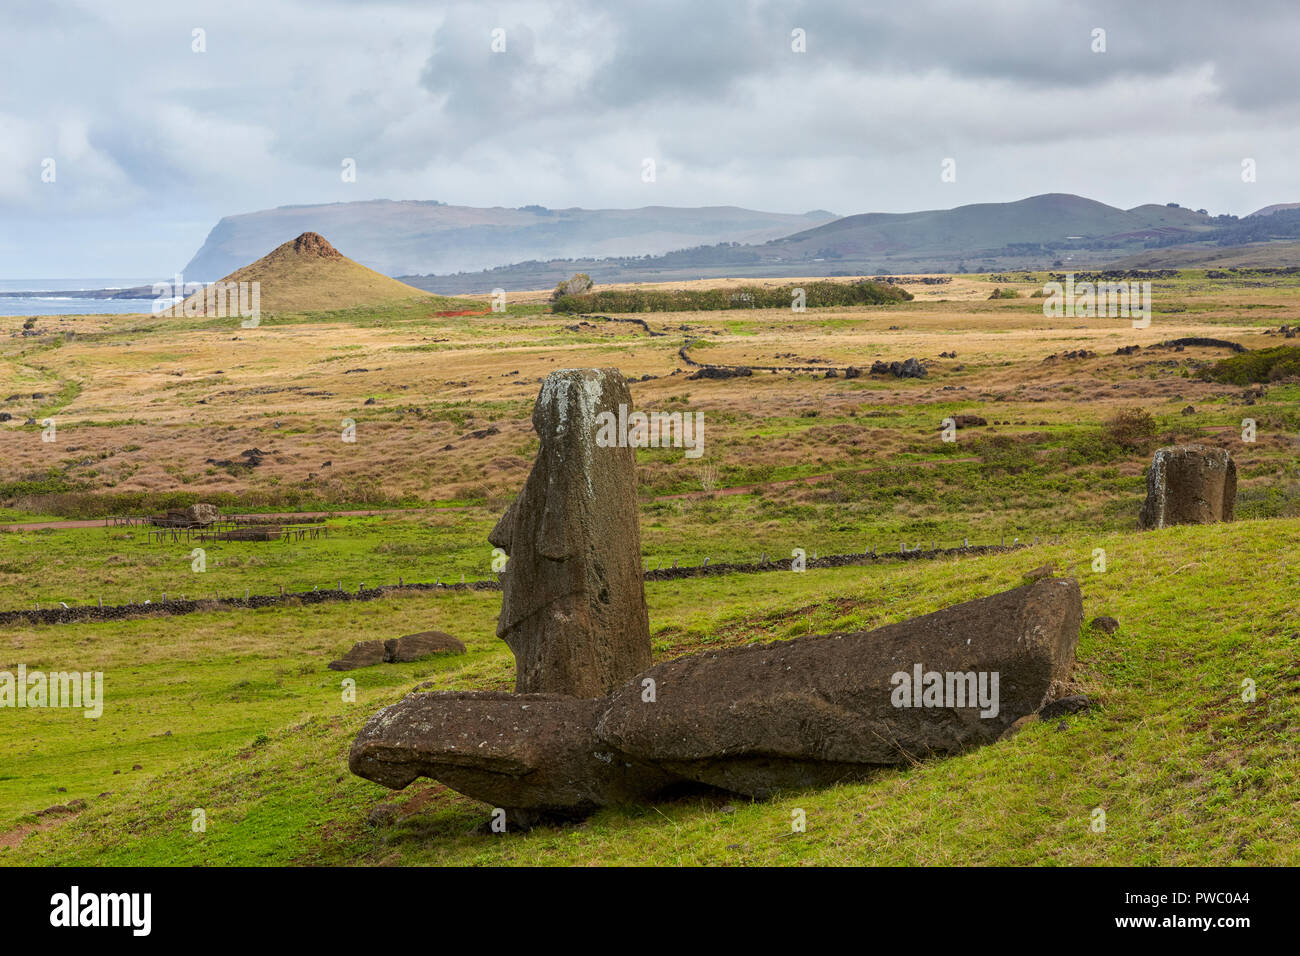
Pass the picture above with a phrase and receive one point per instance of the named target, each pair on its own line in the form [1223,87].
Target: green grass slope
[235,714]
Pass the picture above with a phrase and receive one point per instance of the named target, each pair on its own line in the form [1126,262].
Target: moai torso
[573,608]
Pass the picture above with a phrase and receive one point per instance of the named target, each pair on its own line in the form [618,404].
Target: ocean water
[65,301]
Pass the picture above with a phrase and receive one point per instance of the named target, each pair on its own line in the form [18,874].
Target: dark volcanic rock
[722,371]
[1103,623]
[412,647]
[967,421]
[752,720]
[814,710]
[573,607]
[533,754]
[1189,484]
[1074,704]
[363,654]
[910,369]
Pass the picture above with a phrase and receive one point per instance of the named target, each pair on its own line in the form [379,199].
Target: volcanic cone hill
[308,274]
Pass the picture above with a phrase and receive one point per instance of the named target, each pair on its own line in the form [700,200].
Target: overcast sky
[153,142]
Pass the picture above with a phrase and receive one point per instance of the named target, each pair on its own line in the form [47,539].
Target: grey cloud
[164,142]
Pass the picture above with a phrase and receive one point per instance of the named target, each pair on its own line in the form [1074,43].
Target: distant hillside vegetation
[816,294]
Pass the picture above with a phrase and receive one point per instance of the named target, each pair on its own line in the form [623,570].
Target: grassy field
[235,713]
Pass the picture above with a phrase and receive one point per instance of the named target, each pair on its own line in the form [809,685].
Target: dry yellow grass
[159,406]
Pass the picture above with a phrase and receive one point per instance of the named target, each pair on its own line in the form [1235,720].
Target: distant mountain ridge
[463,249]
[1055,220]
[409,237]
[1051,231]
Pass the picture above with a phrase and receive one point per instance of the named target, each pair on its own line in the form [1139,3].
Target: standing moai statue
[1189,484]
[573,598]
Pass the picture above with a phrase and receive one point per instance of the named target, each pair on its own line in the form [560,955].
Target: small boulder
[363,654]
[1074,704]
[413,647]
[721,371]
[1103,623]
[202,514]
[382,816]
[1045,571]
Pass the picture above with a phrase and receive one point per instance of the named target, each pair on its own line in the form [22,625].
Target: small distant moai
[573,606]
[1189,484]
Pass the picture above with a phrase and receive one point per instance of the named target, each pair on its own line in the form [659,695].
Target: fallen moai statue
[750,720]
[398,650]
[1189,484]
[592,723]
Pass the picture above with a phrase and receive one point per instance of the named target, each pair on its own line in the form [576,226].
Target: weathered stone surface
[363,654]
[202,514]
[533,754]
[721,371]
[398,650]
[573,607]
[412,647]
[752,720]
[967,421]
[1189,484]
[815,709]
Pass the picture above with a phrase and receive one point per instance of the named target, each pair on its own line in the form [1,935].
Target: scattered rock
[1045,571]
[1074,704]
[721,371]
[383,815]
[1102,623]
[363,654]
[413,647]
[911,368]
[202,514]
